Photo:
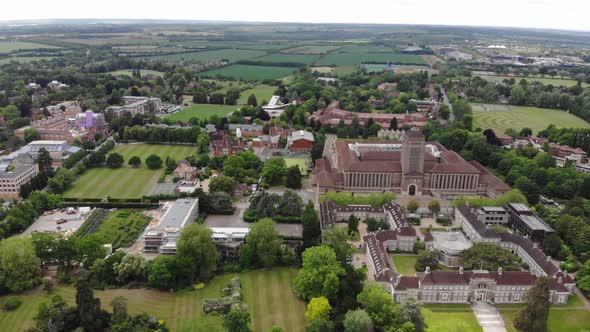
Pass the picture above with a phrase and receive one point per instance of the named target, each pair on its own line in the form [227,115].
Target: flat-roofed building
[527,222]
[491,215]
[14,174]
[227,240]
[58,150]
[164,236]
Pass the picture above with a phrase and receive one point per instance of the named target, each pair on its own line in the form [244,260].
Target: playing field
[126,182]
[404,264]
[263,92]
[502,117]
[9,46]
[543,80]
[354,58]
[451,320]
[202,112]
[267,293]
[231,55]
[302,163]
[250,73]
[129,72]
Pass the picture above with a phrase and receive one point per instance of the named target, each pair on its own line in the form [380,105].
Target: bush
[414,221]
[47,285]
[444,221]
[12,303]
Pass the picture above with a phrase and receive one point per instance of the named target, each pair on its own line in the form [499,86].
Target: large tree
[320,269]
[19,266]
[195,244]
[311,226]
[203,142]
[153,161]
[222,183]
[379,305]
[263,245]
[427,258]
[92,317]
[115,160]
[290,204]
[318,308]
[293,177]
[337,239]
[237,319]
[357,321]
[274,170]
[489,257]
[134,161]
[411,311]
[533,317]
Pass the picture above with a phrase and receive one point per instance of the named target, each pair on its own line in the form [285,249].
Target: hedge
[250,217]
[110,205]
[222,212]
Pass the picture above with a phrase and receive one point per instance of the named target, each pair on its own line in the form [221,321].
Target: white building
[164,236]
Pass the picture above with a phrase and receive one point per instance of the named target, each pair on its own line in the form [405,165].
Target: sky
[552,14]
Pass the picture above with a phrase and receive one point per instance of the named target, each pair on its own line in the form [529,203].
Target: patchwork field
[303,59]
[404,264]
[349,59]
[231,55]
[543,80]
[129,72]
[9,46]
[310,49]
[126,182]
[524,116]
[201,111]
[451,320]
[267,292]
[250,73]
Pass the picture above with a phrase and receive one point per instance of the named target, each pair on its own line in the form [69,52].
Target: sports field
[261,91]
[126,182]
[404,264]
[232,55]
[9,46]
[250,73]
[543,80]
[267,293]
[501,117]
[202,112]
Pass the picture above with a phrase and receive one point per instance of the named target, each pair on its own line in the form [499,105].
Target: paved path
[488,317]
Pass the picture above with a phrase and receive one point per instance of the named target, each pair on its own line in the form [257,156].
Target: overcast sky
[554,14]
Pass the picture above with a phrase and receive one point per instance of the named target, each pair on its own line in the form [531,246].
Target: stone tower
[412,152]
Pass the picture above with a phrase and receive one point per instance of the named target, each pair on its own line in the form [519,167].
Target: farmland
[250,73]
[201,111]
[291,58]
[126,182]
[267,293]
[10,46]
[524,116]
[310,49]
[349,59]
[231,55]
[543,80]
[24,59]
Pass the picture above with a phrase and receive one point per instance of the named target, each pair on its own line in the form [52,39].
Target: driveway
[488,317]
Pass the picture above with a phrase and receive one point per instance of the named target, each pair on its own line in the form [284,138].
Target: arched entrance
[412,190]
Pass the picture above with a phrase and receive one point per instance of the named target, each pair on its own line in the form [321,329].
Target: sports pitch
[501,117]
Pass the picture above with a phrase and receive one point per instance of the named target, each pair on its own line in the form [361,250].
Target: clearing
[267,293]
[126,181]
[202,112]
[523,116]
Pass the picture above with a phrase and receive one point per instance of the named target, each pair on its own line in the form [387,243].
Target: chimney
[399,279]
[427,271]
[461,270]
[549,258]
[500,271]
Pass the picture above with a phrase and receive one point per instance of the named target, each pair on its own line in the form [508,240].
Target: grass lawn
[267,293]
[302,163]
[122,227]
[559,320]
[129,72]
[9,46]
[232,55]
[451,321]
[251,73]
[404,264]
[201,111]
[263,92]
[126,182]
[543,80]
[573,302]
[525,116]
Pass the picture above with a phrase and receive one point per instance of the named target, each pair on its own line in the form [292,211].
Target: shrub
[12,303]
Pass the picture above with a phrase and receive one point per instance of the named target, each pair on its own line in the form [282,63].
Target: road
[448,103]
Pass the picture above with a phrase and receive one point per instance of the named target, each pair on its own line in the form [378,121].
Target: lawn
[559,320]
[129,72]
[267,293]
[302,163]
[126,182]
[122,227]
[451,321]
[303,59]
[9,46]
[544,80]
[263,92]
[355,58]
[404,264]
[525,116]
[231,55]
[250,73]
[202,112]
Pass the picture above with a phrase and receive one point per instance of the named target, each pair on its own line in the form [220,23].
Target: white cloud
[562,14]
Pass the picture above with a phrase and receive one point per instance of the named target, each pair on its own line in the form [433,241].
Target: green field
[9,46]
[310,49]
[129,72]
[267,293]
[122,227]
[543,80]
[404,264]
[201,111]
[126,182]
[571,320]
[451,321]
[232,55]
[350,59]
[525,116]
[261,91]
[303,59]
[251,73]
[300,162]
[25,59]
